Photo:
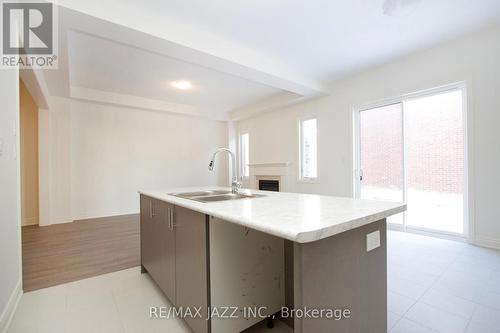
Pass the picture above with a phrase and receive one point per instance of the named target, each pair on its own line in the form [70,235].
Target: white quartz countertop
[297,217]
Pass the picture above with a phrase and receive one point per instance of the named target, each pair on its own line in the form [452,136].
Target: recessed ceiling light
[182,84]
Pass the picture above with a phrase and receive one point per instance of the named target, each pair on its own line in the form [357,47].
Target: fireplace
[270,176]
[269,185]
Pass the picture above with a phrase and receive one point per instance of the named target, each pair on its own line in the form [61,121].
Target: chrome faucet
[235,184]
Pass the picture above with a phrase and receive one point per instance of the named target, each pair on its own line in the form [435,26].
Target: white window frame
[301,178]
[468,213]
[240,157]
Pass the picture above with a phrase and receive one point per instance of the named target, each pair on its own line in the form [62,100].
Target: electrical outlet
[372,240]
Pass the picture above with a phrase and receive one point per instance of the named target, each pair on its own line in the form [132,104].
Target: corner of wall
[11,276]
[10,309]
[44,156]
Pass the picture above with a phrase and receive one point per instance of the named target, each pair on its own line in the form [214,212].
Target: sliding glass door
[413,151]
[381,174]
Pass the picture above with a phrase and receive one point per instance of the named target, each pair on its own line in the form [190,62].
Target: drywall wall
[473,58]
[59,163]
[102,155]
[44,166]
[29,156]
[10,239]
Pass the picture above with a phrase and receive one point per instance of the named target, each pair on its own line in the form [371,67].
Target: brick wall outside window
[434,145]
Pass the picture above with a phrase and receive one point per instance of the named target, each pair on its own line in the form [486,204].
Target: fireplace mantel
[272,171]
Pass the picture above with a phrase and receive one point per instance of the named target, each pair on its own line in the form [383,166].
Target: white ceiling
[327,39]
[104,65]
[243,57]
[104,62]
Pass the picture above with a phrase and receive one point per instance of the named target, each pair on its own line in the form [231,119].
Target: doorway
[28,120]
[413,150]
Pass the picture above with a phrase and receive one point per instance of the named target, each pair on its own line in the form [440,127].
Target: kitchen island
[269,254]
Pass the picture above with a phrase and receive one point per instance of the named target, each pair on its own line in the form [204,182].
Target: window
[244,155]
[308,149]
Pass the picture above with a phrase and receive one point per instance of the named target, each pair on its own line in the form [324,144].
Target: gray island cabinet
[279,250]
[174,253]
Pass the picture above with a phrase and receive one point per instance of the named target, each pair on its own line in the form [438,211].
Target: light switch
[372,240]
[1,147]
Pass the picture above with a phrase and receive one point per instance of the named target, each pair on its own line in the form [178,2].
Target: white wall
[102,155]
[10,240]
[474,59]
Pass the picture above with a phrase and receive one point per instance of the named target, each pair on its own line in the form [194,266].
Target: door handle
[172,224]
[170,213]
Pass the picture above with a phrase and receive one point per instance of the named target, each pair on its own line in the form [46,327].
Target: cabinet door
[156,263]
[166,248]
[147,232]
[191,267]
[158,244]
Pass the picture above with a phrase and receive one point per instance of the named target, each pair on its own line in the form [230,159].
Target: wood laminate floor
[68,252]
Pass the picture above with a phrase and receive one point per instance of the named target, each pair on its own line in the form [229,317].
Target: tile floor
[434,285]
[443,286]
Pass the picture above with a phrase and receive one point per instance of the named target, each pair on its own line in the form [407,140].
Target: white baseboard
[427,233]
[485,242]
[10,308]
[62,219]
[108,214]
[67,219]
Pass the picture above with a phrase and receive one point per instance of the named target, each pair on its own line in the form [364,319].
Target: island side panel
[338,272]
[246,271]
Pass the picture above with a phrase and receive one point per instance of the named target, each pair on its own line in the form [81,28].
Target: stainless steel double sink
[214,195]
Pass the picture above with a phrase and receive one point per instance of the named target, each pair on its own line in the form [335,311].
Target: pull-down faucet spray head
[235,185]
